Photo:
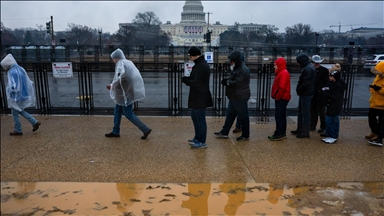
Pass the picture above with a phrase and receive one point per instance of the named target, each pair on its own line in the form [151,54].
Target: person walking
[376,102]
[281,93]
[238,93]
[333,94]
[126,88]
[199,97]
[305,89]
[20,94]
[318,108]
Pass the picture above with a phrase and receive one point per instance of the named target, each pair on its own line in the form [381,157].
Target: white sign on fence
[208,57]
[188,68]
[62,69]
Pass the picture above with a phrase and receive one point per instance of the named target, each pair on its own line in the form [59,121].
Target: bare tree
[300,34]
[80,35]
[147,21]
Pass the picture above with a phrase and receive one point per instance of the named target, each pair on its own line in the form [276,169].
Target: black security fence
[347,54]
[85,93]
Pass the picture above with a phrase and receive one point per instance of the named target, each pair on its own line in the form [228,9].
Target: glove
[375,87]
[183,79]
[224,82]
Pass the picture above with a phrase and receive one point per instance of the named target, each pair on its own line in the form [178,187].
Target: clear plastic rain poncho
[127,85]
[20,91]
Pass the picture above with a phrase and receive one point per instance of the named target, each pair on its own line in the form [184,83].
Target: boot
[369,136]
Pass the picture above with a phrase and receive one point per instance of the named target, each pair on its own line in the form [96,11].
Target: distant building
[192,27]
[365,32]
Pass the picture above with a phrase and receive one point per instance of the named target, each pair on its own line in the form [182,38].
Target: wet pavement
[69,167]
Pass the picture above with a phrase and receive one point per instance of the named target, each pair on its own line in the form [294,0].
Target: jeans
[303,119]
[200,124]
[239,109]
[281,117]
[16,119]
[317,110]
[375,117]
[128,113]
[333,126]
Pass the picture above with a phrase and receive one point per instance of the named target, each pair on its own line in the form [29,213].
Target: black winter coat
[238,82]
[199,94]
[306,84]
[334,97]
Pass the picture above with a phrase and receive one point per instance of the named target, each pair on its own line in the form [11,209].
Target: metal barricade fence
[59,96]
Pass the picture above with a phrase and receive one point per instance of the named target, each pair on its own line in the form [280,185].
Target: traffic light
[208,37]
[48,26]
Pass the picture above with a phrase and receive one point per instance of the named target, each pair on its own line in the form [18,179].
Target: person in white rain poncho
[126,88]
[20,94]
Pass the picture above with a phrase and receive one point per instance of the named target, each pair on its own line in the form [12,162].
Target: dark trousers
[281,117]
[200,124]
[317,110]
[303,119]
[375,118]
[239,109]
[381,131]
[333,126]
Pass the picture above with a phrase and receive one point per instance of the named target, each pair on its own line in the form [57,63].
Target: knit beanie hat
[335,74]
[194,51]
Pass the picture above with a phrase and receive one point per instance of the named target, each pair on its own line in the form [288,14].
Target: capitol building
[192,27]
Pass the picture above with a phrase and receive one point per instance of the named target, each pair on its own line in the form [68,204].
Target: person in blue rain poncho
[126,88]
[20,94]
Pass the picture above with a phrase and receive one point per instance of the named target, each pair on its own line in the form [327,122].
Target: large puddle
[59,198]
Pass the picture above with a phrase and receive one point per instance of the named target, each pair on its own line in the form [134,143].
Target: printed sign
[188,68]
[208,57]
[62,69]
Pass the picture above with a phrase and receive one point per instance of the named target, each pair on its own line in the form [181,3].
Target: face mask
[232,67]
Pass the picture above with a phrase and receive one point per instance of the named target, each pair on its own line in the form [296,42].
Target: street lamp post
[100,30]
[317,36]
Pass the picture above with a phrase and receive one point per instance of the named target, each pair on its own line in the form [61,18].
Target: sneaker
[112,135]
[146,134]
[192,141]
[370,136]
[36,126]
[295,132]
[275,138]
[330,140]
[376,142]
[219,135]
[15,133]
[325,139]
[374,138]
[302,136]
[321,130]
[284,136]
[237,130]
[241,138]
[198,145]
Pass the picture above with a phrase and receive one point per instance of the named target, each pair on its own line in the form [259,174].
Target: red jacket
[281,88]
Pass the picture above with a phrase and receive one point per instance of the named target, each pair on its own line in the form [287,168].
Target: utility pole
[53,40]
[209,33]
[100,30]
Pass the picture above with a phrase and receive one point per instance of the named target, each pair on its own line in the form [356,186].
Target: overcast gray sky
[108,14]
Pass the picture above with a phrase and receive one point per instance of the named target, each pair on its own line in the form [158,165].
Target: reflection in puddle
[45,198]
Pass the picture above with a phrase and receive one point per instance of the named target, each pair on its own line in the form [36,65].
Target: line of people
[320,92]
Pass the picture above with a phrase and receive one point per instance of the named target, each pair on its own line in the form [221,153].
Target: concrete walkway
[69,157]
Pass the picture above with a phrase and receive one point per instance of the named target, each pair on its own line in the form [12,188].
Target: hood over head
[302,59]
[8,61]
[281,64]
[118,54]
[235,56]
